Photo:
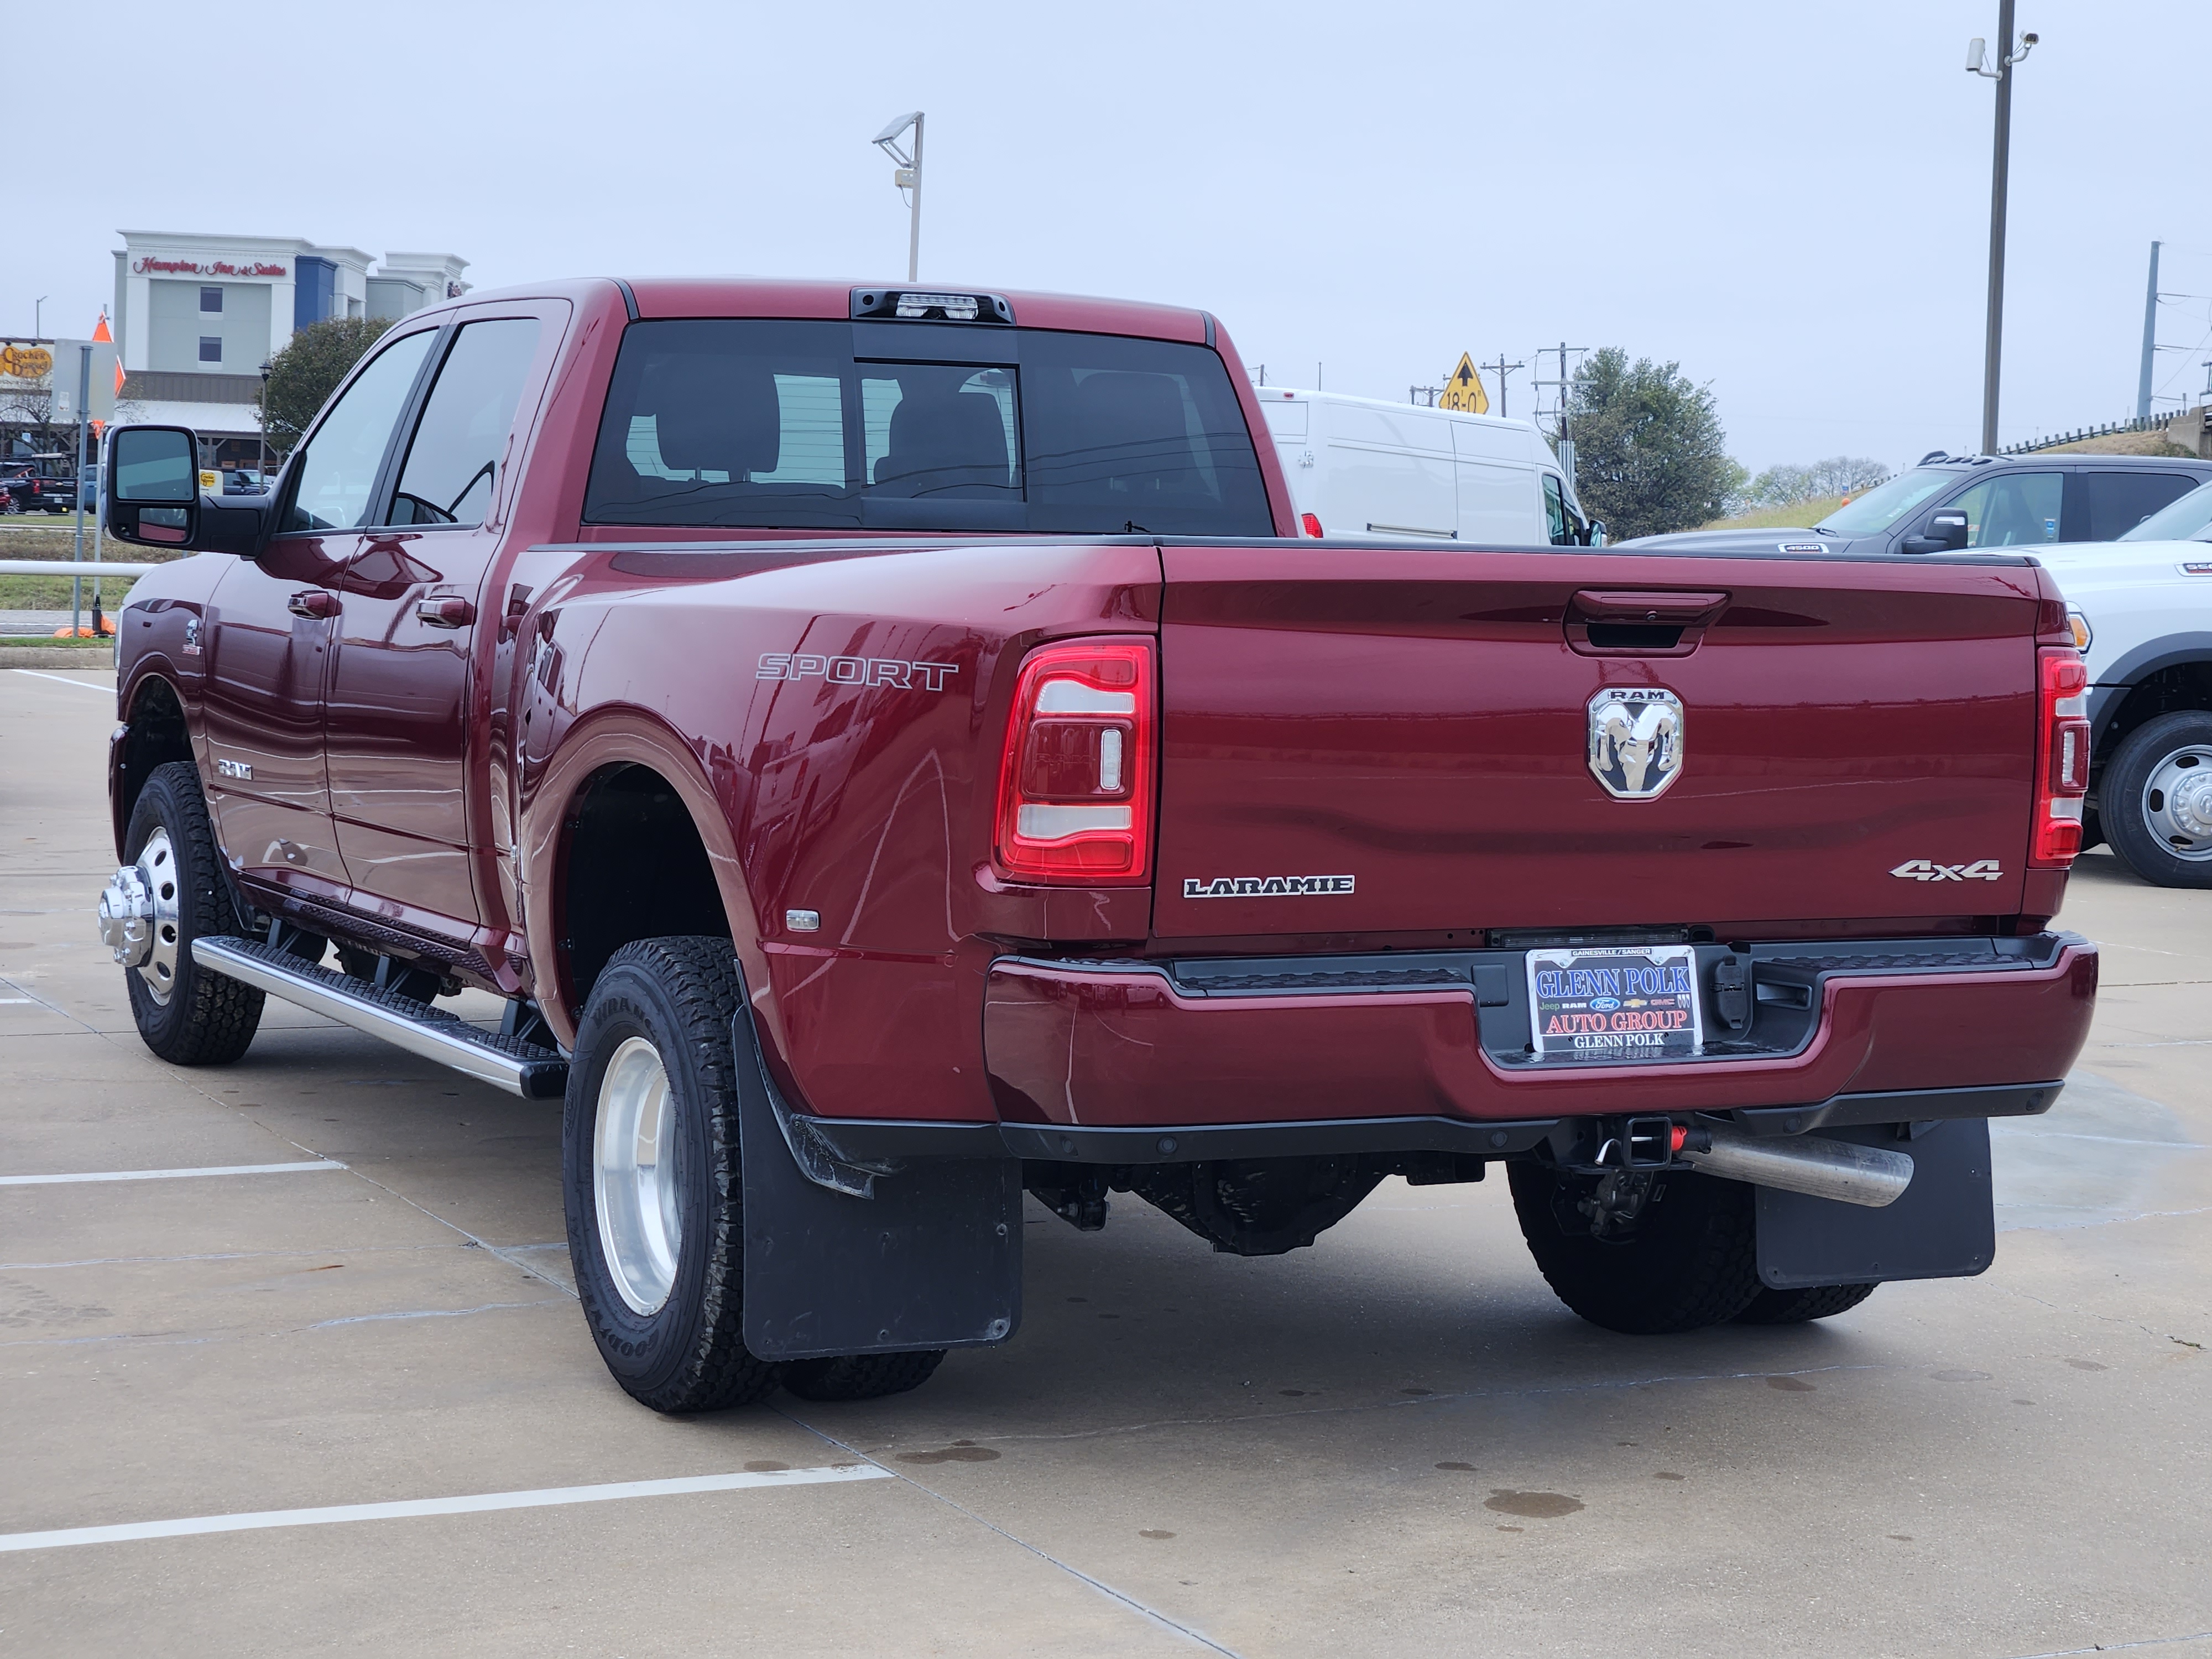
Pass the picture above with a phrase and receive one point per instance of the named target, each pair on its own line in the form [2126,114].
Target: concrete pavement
[1394,1443]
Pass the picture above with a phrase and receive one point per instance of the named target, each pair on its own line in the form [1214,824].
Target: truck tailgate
[1380,740]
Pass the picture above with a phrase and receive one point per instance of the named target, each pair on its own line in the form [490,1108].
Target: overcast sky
[1789,200]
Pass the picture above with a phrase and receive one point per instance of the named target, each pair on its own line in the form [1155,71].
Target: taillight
[2061,759]
[1311,525]
[1075,786]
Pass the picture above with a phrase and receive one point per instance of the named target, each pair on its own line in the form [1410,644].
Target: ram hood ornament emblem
[1635,740]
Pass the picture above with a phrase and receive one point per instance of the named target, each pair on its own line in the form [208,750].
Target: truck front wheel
[171,893]
[2154,799]
[1691,1261]
[651,1178]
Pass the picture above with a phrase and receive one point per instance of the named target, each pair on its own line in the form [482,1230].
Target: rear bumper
[1093,1047]
[874,1144]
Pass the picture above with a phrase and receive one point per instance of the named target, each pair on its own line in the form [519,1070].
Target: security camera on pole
[907,178]
[1977,63]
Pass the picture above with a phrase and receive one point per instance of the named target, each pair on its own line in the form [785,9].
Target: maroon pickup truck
[892,751]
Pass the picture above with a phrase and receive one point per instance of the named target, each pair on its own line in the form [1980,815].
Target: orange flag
[101,333]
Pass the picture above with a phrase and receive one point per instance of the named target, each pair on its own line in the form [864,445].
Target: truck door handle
[450,612]
[1638,623]
[1595,604]
[313,602]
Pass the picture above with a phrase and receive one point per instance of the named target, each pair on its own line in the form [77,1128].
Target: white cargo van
[1359,466]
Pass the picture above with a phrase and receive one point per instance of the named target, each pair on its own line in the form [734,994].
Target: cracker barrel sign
[25,362]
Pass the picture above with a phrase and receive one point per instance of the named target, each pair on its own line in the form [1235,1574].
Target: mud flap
[1944,1226]
[932,1258]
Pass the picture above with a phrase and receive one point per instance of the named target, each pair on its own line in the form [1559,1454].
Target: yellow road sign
[1464,391]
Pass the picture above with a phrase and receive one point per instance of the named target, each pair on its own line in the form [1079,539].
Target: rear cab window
[781,425]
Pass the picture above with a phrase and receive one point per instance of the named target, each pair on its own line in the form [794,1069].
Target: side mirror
[1597,533]
[153,486]
[1946,533]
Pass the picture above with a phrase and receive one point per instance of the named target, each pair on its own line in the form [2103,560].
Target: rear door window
[2014,509]
[2118,501]
[792,424]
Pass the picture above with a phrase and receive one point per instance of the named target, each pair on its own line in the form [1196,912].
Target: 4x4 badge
[1922,870]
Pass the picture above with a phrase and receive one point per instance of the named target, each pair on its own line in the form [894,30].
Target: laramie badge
[1635,740]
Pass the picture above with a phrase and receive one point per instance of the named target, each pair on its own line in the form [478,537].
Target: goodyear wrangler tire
[861,1375]
[187,1015]
[1795,1307]
[1691,1261]
[650,1174]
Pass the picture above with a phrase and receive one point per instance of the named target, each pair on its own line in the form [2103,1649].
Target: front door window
[334,477]
[2014,509]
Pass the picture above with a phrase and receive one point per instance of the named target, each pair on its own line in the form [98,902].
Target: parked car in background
[243,481]
[1361,467]
[2141,610]
[35,485]
[1956,503]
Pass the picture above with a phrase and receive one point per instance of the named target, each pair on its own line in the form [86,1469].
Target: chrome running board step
[420,1028]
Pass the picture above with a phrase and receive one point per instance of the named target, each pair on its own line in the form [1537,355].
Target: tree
[302,376]
[1839,475]
[1649,453]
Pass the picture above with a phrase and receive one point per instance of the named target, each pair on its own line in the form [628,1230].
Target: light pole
[38,316]
[908,177]
[1993,347]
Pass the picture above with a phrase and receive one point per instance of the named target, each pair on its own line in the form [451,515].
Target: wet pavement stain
[1154,1532]
[1417,1393]
[2088,1365]
[1962,1377]
[1535,1506]
[1790,1384]
[1668,1474]
[1291,1394]
[957,1454]
[763,1466]
[1513,1529]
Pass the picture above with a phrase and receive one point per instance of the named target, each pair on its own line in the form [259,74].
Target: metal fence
[2140,423]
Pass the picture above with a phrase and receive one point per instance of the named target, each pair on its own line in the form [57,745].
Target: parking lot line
[172,1175]
[90,685]
[543,1497]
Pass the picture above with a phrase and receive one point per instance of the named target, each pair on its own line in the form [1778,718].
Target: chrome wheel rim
[2176,802]
[162,885]
[633,1176]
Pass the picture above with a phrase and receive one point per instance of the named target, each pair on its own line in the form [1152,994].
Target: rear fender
[627,738]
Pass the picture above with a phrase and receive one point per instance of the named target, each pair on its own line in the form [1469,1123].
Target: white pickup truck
[2141,608]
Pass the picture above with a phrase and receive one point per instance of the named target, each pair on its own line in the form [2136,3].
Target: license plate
[1615,1004]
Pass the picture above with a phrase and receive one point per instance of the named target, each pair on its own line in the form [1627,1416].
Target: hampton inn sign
[141,267]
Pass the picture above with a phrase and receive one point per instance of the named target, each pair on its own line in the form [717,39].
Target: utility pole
[38,316]
[1564,383]
[2151,338]
[1503,369]
[1993,343]
[83,424]
[908,177]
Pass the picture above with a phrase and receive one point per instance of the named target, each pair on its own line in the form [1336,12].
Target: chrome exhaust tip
[1812,1164]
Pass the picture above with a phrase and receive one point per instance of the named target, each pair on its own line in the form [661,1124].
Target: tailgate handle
[1636,622]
